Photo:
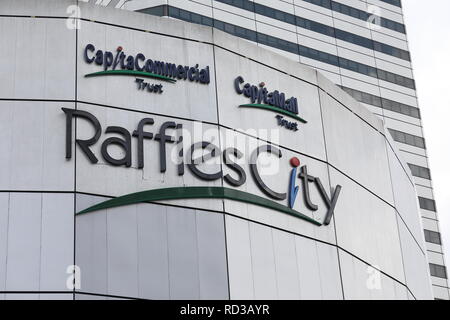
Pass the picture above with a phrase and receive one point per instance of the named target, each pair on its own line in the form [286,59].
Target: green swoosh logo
[274,109]
[196,193]
[130,73]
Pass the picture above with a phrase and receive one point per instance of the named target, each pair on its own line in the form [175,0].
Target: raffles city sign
[149,134]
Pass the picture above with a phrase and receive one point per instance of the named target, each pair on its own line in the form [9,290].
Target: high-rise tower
[361,46]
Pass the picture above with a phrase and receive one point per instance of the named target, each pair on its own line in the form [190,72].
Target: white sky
[428,28]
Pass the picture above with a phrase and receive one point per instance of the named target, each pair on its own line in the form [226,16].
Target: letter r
[84,144]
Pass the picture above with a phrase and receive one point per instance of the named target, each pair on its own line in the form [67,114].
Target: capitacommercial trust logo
[119,63]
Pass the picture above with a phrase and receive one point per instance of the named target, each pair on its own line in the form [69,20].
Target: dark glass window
[219,25]
[290,18]
[240,32]
[196,18]
[438,271]
[396,3]
[229,28]
[207,21]
[427,204]
[156,11]
[407,138]
[174,12]
[384,103]
[252,35]
[420,172]
[432,237]
[185,15]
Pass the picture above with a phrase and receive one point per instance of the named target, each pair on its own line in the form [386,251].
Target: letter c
[254,170]
[237,82]
[141,57]
[192,165]
[89,47]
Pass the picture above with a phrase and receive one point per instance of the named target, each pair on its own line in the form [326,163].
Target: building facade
[157,159]
[359,45]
